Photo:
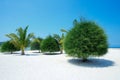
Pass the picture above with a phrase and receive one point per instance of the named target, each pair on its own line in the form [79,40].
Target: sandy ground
[35,66]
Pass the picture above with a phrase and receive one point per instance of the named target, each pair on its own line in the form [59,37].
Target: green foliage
[1,43]
[8,46]
[86,39]
[35,44]
[57,37]
[21,39]
[50,45]
[59,40]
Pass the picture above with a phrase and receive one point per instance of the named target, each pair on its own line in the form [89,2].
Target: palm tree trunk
[23,53]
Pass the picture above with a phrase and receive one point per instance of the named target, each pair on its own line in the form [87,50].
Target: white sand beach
[35,66]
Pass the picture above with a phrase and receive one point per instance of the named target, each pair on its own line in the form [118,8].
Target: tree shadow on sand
[98,63]
[54,53]
[9,53]
[31,54]
[19,54]
[27,55]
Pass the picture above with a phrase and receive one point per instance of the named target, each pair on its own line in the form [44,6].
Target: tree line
[21,40]
[84,39]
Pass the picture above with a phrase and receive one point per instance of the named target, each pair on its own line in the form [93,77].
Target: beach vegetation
[85,39]
[35,44]
[50,44]
[21,39]
[8,47]
[59,39]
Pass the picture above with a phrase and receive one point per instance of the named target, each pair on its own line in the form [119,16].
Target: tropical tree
[86,39]
[21,39]
[49,44]
[8,46]
[60,41]
[35,44]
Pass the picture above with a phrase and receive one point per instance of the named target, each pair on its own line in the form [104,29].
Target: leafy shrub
[8,46]
[85,39]
[50,45]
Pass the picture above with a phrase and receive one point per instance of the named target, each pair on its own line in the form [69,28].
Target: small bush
[85,39]
[50,45]
[8,46]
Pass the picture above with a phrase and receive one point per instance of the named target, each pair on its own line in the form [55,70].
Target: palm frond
[20,32]
[63,30]
[30,35]
[57,37]
[25,32]
[27,40]
[14,39]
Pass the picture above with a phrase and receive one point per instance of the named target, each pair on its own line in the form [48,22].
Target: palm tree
[21,39]
[60,41]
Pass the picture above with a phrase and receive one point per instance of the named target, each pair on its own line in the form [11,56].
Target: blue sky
[46,17]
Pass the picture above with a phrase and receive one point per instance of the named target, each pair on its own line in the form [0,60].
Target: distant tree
[21,39]
[60,41]
[86,39]
[50,45]
[35,44]
[8,47]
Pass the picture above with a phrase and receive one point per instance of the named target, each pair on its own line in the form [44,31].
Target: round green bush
[8,46]
[86,39]
[50,45]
